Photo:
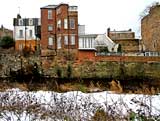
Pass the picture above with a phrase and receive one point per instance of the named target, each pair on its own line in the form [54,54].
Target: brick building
[59,30]
[86,44]
[5,32]
[126,39]
[26,33]
[150,29]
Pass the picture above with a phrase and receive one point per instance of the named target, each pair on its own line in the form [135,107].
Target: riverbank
[85,85]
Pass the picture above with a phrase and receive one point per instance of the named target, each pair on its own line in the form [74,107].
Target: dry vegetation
[17,105]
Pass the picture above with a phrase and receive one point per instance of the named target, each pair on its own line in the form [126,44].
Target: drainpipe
[25,33]
[68,24]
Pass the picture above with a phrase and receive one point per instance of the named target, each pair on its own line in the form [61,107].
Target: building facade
[124,38]
[25,33]
[5,32]
[59,30]
[150,30]
[86,49]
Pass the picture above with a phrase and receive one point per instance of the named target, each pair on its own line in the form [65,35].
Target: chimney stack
[108,31]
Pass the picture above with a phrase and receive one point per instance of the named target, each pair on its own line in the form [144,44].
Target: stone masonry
[150,29]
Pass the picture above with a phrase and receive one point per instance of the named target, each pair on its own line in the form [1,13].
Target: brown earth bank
[86,85]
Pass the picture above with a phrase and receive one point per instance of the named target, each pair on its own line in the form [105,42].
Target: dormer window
[30,22]
[20,22]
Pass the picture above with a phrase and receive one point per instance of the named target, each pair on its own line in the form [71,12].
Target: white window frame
[72,23]
[83,42]
[58,11]
[50,41]
[20,46]
[30,33]
[50,14]
[73,39]
[20,22]
[59,42]
[31,22]
[50,27]
[59,24]
[21,33]
[66,40]
[65,23]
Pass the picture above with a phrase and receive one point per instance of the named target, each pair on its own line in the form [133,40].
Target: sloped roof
[104,41]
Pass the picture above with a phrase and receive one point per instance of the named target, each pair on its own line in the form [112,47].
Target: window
[80,42]
[72,39]
[59,42]
[83,42]
[30,33]
[59,24]
[20,22]
[30,22]
[50,41]
[65,40]
[89,43]
[58,11]
[92,43]
[21,33]
[65,24]
[20,47]
[50,27]
[49,14]
[72,24]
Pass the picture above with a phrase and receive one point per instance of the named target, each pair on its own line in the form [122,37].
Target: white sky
[97,15]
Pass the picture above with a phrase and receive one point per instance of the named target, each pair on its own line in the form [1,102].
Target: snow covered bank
[48,105]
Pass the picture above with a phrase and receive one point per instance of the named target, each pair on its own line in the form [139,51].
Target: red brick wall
[29,44]
[44,27]
[90,55]
[86,55]
[128,58]
[64,13]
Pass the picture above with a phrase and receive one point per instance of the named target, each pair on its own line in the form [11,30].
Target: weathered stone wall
[150,29]
[5,32]
[126,39]
[114,35]
[128,45]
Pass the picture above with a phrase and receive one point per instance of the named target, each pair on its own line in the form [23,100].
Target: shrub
[7,42]
[69,71]
[58,71]
[100,115]
[26,51]
[102,49]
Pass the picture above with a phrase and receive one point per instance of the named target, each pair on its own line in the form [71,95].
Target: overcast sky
[97,15]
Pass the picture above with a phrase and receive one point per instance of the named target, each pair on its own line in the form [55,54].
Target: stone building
[126,39]
[5,32]
[25,33]
[150,29]
[59,28]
